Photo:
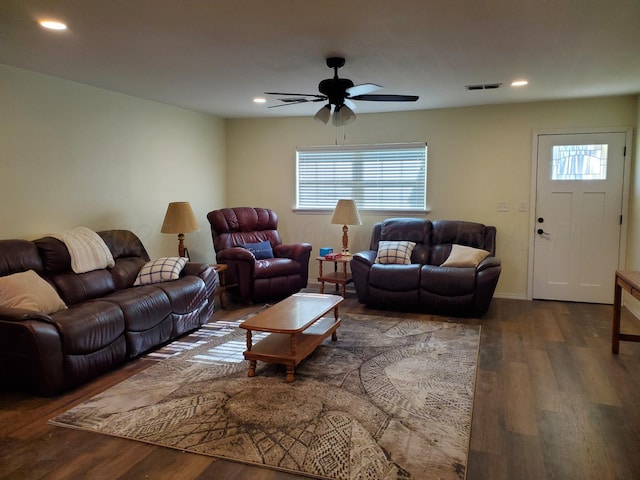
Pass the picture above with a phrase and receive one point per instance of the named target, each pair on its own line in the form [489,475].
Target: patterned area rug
[391,399]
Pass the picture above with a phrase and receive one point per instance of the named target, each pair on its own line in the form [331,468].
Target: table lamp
[346,213]
[180,219]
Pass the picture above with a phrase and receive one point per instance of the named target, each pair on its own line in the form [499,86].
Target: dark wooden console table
[629,282]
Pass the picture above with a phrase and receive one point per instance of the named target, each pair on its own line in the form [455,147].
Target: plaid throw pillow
[160,270]
[395,252]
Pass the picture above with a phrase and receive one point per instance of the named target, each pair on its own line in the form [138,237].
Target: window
[377,177]
[579,162]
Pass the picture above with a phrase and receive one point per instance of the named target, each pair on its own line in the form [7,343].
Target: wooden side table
[629,282]
[221,268]
[340,277]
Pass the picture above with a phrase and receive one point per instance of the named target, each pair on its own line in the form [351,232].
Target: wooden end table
[297,325]
[340,277]
[629,282]
[222,288]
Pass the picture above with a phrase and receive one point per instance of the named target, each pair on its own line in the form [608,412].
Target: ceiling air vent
[486,86]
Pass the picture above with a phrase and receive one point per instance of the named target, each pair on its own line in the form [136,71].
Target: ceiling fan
[339,93]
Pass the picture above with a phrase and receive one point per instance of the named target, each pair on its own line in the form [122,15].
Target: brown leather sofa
[424,284]
[282,271]
[108,320]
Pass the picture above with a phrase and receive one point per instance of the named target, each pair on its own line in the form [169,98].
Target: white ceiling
[216,55]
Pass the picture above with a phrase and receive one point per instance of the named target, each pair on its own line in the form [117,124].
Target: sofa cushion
[392,252]
[125,271]
[18,256]
[275,267]
[260,250]
[29,291]
[89,327]
[395,277]
[143,307]
[463,256]
[185,294]
[160,270]
[79,287]
[448,282]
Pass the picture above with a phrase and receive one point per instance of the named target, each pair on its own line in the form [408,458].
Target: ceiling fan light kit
[339,93]
[323,114]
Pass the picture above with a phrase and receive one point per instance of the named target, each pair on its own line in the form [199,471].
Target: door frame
[626,182]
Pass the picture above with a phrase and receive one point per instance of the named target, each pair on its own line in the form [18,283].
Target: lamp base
[182,250]
[345,241]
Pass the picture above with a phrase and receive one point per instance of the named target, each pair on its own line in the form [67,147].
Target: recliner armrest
[366,256]
[235,254]
[488,262]
[292,250]
[21,314]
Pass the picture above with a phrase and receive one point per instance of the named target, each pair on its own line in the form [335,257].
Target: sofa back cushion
[127,250]
[411,229]
[18,256]
[124,244]
[231,227]
[470,234]
[72,287]
[434,240]
[129,255]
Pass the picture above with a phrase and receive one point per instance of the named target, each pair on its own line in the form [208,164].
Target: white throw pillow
[29,291]
[390,252]
[160,270]
[463,256]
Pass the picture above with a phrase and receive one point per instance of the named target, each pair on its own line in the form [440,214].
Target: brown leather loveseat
[423,283]
[107,321]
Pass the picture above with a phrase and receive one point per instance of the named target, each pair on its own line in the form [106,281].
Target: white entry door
[578,216]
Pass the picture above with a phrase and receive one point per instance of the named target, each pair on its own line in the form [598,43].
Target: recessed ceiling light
[52,25]
[519,83]
[260,100]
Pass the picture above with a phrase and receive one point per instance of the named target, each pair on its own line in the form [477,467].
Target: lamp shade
[180,219]
[323,114]
[343,115]
[346,213]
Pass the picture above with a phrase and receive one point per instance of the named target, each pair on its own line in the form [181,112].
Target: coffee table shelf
[278,346]
[297,326]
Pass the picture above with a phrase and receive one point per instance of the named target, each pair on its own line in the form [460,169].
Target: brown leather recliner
[257,272]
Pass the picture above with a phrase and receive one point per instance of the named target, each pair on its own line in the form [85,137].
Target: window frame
[352,151]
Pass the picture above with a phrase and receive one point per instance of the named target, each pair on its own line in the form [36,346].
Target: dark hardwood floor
[551,402]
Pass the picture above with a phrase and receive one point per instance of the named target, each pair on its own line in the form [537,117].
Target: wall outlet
[503,206]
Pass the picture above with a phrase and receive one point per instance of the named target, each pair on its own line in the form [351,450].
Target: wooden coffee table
[297,325]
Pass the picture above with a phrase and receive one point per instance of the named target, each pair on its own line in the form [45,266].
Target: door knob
[542,232]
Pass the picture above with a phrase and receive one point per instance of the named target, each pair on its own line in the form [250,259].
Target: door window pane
[579,162]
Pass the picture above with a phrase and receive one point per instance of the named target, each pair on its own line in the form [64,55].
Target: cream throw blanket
[87,250]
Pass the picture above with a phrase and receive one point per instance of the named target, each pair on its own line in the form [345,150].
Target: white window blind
[377,177]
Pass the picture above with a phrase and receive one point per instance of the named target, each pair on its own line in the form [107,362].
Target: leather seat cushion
[143,307]
[89,327]
[448,281]
[276,267]
[395,278]
[185,294]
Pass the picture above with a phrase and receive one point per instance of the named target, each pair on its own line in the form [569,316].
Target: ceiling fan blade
[362,89]
[292,102]
[387,98]
[297,94]
[350,104]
